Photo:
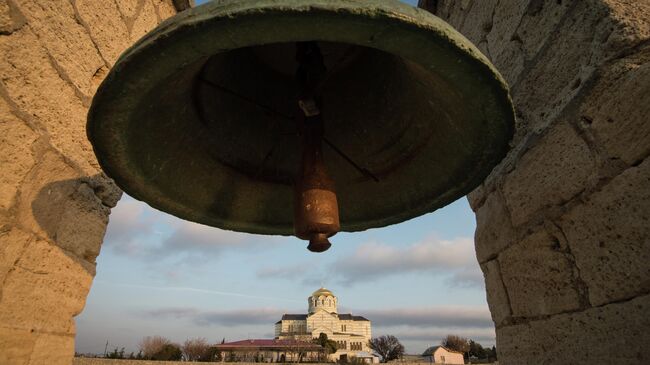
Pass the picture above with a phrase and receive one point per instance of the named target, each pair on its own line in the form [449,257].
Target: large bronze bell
[279,116]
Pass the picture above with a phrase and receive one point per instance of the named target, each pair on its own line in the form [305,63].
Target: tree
[387,347]
[212,354]
[151,345]
[329,345]
[194,349]
[492,354]
[299,349]
[116,354]
[476,350]
[456,343]
[169,352]
[231,357]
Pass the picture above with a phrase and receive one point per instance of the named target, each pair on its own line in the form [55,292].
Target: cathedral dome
[322,299]
[322,291]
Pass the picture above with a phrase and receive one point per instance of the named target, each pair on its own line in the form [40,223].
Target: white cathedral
[351,333]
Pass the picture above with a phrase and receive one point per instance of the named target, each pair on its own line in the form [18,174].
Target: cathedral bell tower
[322,299]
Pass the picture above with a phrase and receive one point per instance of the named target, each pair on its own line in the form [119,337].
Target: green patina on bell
[253,115]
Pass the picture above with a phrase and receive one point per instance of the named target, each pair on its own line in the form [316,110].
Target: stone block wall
[563,224]
[54,200]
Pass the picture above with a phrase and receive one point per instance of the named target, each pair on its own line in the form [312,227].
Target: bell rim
[392,11]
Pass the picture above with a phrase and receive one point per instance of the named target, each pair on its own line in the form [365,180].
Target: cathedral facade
[351,333]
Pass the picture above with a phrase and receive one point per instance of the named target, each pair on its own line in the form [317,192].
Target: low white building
[443,355]
[350,332]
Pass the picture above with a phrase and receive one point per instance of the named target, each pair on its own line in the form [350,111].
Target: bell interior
[247,101]
[234,146]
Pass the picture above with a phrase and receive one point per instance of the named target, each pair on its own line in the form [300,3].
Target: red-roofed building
[262,350]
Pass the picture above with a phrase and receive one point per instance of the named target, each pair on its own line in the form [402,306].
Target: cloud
[284,272]
[308,273]
[371,261]
[201,241]
[456,316]
[127,224]
[419,328]
[433,336]
[420,320]
[196,290]
[138,231]
[257,316]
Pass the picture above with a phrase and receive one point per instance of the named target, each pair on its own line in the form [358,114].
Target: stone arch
[54,200]
[562,224]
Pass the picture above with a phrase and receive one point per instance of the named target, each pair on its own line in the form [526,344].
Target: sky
[159,275]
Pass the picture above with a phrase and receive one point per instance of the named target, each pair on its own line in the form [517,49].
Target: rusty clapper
[316,209]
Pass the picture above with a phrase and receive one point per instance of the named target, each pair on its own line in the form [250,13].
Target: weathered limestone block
[609,236]
[106,27]
[595,336]
[539,277]
[12,244]
[587,37]
[521,29]
[541,98]
[54,202]
[42,199]
[44,290]
[68,43]
[181,5]
[52,350]
[144,22]
[555,170]
[10,18]
[617,112]
[632,20]
[579,77]
[454,12]
[498,234]
[164,9]
[16,156]
[104,189]
[83,224]
[17,346]
[36,88]
[129,8]
[478,22]
[476,198]
[497,296]
[499,39]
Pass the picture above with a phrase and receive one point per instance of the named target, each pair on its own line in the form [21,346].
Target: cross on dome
[322,298]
